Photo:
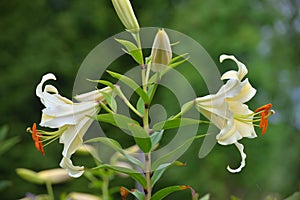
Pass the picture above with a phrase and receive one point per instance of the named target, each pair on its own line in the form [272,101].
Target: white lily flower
[228,111]
[72,119]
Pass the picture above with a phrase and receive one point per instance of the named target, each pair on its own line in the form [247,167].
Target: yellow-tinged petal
[226,109]
[73,119]
[229,134]
[247,92]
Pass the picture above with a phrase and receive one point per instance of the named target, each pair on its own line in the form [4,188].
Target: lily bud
[126,15]
[82,196]
[29,175]
[161,53]
[54,176]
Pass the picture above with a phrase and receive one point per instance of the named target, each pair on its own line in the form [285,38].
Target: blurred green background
[41,36]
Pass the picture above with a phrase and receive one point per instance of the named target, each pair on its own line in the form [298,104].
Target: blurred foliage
[42,36]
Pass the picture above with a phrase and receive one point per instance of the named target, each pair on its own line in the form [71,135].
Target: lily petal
[247,92]
[227,111]
[93,95]
[240,74]
[243,156]
[39,88]
[74,171]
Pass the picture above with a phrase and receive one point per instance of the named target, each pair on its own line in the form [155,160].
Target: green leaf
[169,156]
[175,64]
[117,120]
[175,123]
[103,82]
[161,169]
[132,50]
[205,197]
[3,132]
[117,147]
[131,172]
[139,195]
[156,137]
[140,106]
[141,137]
[110,101]
[148,60]
[171,65]
[131,83]
[4,184]
[151,91]
[5,145]
[178,57]
[168,190]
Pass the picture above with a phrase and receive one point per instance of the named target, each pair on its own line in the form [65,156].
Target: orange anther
[264,112]
[36,138]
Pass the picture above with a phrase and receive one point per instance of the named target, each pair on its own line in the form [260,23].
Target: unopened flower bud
[82,196]
[54,176]
[125,12]
[161,53]
[30,176]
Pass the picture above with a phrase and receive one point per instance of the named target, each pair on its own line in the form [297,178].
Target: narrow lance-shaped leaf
[140,106]
[161,169]
[104,82]
[171,65]
[141,137]
[132,84]
[173,60]
[118,120]
[175,123]
[5,145]
[136,193]
[110,101]
[156,137]
[117,147]
[3,132]
[168,190]
[131,172]
[169,156]
[132,50]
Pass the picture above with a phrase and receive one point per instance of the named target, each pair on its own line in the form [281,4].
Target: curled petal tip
[243,162]
[49,76]
[224,57]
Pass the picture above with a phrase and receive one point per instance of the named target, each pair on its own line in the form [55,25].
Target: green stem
[147,156]
[50,190]
[148,175]
[127,102]
[105,185]
[185,108]
[145,77]
[143,70]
